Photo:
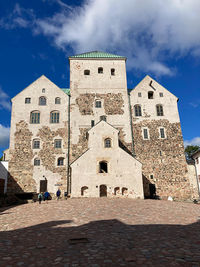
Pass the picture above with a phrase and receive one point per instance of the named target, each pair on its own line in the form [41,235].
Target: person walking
[58,193]
[46,196]
[40,197]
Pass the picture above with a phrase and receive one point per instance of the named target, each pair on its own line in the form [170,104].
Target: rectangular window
[35,117]
[98,104]
[161,94]
[92,123]
[162,133]
[27,100]
[55,117]
[58,143]
[36,144]
[145,133]
[139,94]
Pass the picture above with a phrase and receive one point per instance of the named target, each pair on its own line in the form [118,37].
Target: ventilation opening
[103,167]
[124,191]
[116,191]
[84,190]
[86,72]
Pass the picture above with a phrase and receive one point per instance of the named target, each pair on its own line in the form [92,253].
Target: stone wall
[78,149]
[20,177]
[113,103]
[162,158]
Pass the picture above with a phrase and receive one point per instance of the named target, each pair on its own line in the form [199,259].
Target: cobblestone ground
[100,232]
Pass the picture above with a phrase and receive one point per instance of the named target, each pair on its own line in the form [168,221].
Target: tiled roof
[97,54]
[66,91]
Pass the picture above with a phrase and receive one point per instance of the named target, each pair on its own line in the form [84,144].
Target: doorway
[152,191]
[43,186]
[103,191]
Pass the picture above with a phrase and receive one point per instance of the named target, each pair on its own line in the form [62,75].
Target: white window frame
[160,133]
[145,128]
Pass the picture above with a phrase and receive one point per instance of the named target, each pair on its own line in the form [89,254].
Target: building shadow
[104,243]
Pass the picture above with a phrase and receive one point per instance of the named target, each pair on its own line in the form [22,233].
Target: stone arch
[116,191]
[84,190]
[124,191]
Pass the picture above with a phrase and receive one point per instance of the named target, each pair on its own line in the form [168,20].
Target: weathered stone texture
[81,146]
[20,166]
[164,158]
[113,103]
[48,153]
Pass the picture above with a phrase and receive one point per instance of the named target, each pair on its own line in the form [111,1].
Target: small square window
[36,144]
[161,94]
[139,94]
[36,162]
[58,143]
[43,90]
[27,100]
[151,176]
[98,104]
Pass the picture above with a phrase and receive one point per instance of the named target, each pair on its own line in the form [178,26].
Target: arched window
[124,191]
[103,167]
[84,190]
[60,162]
[138,111]
[98,104]
[57,100]
[150,95]
[36,144]
[112,71]
[107,142]
[86,72]
[159,110]
[36,162]
[100,70]
[42,101]
[35,117]
[54,117]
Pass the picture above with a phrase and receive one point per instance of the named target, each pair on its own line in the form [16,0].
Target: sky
[159,38]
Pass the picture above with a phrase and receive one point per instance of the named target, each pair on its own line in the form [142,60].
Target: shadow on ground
[101,243]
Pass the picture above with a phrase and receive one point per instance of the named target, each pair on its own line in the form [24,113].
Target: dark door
[103,191]
[152,190]
[43,185]
[2,183]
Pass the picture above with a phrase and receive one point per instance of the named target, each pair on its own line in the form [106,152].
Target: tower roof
[97,54]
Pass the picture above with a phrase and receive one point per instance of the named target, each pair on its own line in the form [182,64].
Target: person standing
[40,196]
[58,193]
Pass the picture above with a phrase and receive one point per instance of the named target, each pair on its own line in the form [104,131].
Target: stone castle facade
[97,138]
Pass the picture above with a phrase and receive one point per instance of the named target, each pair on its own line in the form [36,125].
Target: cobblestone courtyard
[100,232]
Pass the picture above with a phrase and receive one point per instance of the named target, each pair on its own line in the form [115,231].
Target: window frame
[57,101]
[41,103]
[161,94]
[35,120]
[139,94]
[35,144]
[147,132]
[27,102]
[98,103]
[55,117]
[36,162]
[100,70]
[137,110]
[159,110]
[107,142]
[87,72]
[105,162]
[56,141]
[150,95]
[164,133]
[59,161]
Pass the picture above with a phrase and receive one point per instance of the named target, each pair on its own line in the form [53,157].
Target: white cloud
[194,142]
[4,100]
[148,33]
[4,136]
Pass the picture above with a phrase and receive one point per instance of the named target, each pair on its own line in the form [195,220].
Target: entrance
[152,190]
[103,191]
[43,185]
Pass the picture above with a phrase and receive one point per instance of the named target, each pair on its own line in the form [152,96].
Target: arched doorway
[103,190]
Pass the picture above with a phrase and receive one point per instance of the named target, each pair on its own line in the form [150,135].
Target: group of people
[46,196]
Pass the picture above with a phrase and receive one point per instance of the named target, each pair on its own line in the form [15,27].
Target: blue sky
[159,38]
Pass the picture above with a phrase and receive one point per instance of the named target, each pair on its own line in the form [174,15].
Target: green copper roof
[97,54]
[66,91]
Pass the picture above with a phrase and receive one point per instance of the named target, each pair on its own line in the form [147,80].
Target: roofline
[195,152]
[105,122]
[97,58]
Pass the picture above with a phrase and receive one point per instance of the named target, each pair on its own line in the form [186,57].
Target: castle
[98,138]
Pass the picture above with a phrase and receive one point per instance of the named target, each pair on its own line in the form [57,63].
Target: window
[86,72]
[98,104]
[151,176]
[35,117]
[57,143]
[57,100]
[112,72]
[36,144]
[138,111]
[107,142]
[162,133]
[145,134]
[60,162]
[150,95]
[27,100]
[103,167]
[139,94]
[161,94]
[100,70]
[54,117]
[36,162]
[42,101]
[92,123]
[159,110]
[43,90]
[103,118]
